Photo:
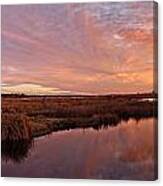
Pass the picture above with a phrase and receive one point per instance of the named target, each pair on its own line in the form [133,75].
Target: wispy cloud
[93,48]
[32,89]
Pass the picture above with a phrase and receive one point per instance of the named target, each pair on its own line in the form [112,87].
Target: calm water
[122,152]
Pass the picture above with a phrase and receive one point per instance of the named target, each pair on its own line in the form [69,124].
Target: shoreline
[44,133]
[27,119]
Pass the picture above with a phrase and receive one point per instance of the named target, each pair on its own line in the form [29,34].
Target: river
[126,151]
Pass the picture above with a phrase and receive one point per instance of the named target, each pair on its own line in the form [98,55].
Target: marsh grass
[36,116]
[15,127]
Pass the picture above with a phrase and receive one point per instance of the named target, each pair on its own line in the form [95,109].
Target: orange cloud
[79,47]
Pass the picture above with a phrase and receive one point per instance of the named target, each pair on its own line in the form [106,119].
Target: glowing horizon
[80,48]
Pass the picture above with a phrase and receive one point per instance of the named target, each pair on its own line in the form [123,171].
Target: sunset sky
[98,48]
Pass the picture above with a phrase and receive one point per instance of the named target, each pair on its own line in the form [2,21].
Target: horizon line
[78,95]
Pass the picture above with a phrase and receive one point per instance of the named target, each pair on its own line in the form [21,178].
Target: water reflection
[16,151]
[126,151]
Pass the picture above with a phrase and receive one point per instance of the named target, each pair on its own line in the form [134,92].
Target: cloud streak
[95,48]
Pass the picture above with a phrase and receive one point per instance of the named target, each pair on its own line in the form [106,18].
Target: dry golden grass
[15,127]
[26,117]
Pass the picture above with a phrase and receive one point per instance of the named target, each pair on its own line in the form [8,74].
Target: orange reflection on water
[123,152]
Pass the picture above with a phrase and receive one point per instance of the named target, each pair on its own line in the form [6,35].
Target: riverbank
[28,117]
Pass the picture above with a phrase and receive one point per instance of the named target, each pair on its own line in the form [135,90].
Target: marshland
[105,135]
[25,117]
